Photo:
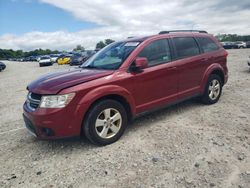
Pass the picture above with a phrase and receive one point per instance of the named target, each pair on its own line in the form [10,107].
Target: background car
[248,62]
[248,44]
[26,59]
[2,66]
[77,59]
[45,61]
[64,60]
[32,58]
[241,44]
[38,58]
[229,45]
[54,57]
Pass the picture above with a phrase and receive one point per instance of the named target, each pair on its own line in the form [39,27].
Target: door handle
[172,68]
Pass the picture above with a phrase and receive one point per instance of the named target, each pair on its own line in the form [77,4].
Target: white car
[45,61]
[54,58]
[241,44]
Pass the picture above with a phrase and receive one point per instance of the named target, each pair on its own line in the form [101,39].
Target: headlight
[56,101]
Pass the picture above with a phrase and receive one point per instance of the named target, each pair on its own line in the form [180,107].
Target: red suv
[123,80]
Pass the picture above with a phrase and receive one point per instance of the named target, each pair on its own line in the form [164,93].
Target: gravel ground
[186,145]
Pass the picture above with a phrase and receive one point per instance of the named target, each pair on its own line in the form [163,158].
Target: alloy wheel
[214,89]
[108,123]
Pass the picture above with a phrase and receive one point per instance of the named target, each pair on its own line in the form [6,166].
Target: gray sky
[118,19]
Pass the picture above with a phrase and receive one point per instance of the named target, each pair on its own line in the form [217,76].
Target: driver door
[158,83]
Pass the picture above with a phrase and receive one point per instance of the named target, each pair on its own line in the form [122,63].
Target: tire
[98,126]
[213,90]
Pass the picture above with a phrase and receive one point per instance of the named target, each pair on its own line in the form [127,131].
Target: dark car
[33,58]
[248,62]
[26,59]
[77,59]
[124,80]
[2,66]
[229,45]
[248,44]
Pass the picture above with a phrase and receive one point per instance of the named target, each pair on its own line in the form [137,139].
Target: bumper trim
[29,126]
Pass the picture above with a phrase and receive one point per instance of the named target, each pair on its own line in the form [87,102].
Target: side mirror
[141,63]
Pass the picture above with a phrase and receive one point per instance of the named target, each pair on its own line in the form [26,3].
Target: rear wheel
[105,122]
[213,90]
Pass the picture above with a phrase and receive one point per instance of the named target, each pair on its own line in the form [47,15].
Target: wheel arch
[220,74]
[113,92]
[119,98]
[213,69]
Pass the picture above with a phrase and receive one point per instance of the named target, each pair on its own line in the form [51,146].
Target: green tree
[109,41]
[9,53]
[233,37]
[79,48]
[100,45]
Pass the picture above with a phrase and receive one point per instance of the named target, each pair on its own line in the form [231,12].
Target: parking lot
[185,145]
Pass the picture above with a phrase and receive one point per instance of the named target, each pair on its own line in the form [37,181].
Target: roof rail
[175,31]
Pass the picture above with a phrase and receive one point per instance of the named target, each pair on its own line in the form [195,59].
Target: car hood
[55,82]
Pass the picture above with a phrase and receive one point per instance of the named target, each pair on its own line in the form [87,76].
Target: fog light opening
[48,132]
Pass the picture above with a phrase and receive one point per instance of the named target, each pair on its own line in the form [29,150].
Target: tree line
[233,37]
[9,53]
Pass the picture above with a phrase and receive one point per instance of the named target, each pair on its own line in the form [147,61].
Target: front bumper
[52,123]
[46,63]
[30,127]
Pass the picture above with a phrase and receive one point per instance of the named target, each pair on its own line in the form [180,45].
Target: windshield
[45,57]
[112,56]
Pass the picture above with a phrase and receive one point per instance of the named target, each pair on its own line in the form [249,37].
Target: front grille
[33,100]
[35,96]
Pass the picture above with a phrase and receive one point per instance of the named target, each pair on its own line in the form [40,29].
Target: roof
[172,32]
[137,39]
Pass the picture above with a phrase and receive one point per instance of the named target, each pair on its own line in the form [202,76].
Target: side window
[186,47]
[157,52]
[207,44]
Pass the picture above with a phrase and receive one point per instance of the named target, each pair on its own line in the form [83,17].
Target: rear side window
[185,47]
[207,44]
[157,52]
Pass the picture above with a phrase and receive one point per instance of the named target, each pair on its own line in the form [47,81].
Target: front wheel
[105,122]
[213,90]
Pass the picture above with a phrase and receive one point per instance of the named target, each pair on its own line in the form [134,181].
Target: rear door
[189,58]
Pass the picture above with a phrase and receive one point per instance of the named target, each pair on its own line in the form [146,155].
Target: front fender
[103,91]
